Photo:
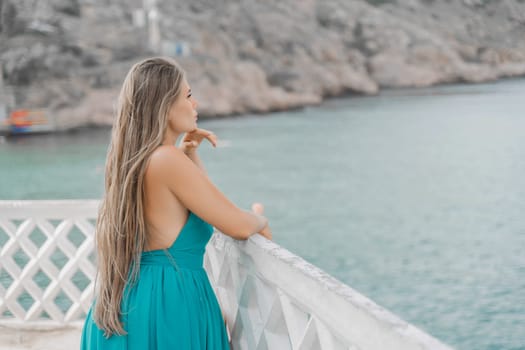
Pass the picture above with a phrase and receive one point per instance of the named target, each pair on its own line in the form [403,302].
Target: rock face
[70,56]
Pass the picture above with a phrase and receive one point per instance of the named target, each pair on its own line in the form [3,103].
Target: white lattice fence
[46,261]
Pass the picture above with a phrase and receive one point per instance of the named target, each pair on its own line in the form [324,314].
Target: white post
[153,18]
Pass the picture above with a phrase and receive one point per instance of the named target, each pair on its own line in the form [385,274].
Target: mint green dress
[172,305]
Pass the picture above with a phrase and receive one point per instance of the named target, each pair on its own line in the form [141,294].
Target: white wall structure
[271,298]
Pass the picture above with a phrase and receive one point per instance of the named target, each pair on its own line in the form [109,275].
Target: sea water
[415,198]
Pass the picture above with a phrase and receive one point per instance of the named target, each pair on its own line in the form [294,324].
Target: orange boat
[27,121]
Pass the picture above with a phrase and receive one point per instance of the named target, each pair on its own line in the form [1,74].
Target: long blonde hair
[149,90]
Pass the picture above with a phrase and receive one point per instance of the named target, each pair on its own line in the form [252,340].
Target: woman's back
[164,213]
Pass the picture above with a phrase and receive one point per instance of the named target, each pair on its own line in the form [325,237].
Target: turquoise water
[415,198]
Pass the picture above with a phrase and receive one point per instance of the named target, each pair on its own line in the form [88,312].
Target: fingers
[258,208]
[212,138]
[202,132]
[199,134]
[191,143]
[189,146]
[267,233]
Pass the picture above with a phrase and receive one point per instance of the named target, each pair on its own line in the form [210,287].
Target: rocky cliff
[70,56]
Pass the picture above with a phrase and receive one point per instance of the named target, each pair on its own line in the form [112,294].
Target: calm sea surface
[415,198]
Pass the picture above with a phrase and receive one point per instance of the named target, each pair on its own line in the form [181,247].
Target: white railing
[271,298]
[46,261]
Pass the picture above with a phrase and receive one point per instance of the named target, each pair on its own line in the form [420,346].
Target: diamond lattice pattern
[45,270]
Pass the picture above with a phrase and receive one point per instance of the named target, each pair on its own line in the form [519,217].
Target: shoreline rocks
[70,56]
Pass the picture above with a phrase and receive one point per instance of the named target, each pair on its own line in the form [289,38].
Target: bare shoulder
[166,153]
[165,158]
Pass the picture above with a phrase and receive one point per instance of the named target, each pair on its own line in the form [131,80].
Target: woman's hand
[193,139]
[258,208]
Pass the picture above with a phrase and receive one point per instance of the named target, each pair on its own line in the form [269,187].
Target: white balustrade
[271,298]
[46,261]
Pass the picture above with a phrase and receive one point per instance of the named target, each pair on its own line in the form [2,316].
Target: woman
[155,220]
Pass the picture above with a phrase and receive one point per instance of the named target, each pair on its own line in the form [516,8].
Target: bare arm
[197,193]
